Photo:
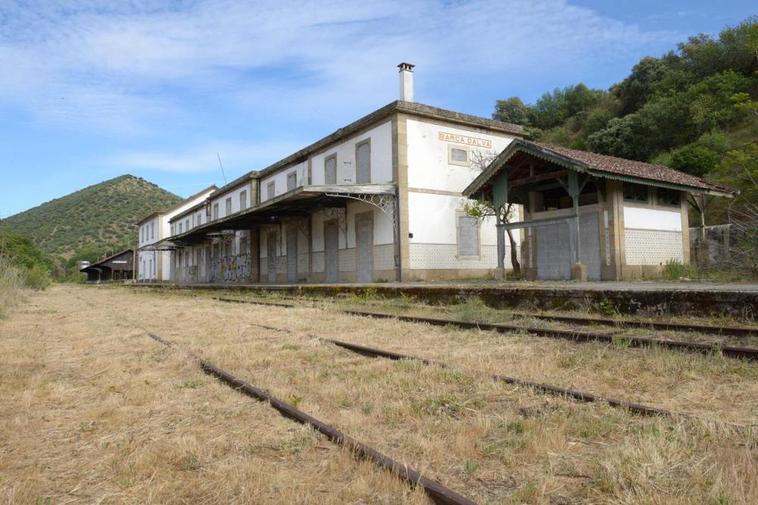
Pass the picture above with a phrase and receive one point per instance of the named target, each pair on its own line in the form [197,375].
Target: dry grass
[11,284]
[499,444]
[92,411]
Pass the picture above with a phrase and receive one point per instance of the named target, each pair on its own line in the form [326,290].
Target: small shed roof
[599,165]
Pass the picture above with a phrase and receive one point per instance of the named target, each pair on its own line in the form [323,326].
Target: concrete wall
[652,235]
[435,182]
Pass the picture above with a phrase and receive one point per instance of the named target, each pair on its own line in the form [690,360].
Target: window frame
[291,176]
[215,210]
[271,189]
[458,228]
[243,200]
[660,203]
[631,199]
[228,206]
[331,157]
[451,161]
[358,146]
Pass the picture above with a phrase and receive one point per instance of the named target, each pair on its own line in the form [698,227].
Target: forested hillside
[693,109]
[91,222]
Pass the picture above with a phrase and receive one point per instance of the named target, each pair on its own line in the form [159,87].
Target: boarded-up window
[291,181]
[457,156]
[330,170]
[228,206]
[468,236]
[243,200]
[271,190]
[363,163]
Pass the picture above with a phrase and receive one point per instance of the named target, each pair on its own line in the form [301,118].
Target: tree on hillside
[513,110]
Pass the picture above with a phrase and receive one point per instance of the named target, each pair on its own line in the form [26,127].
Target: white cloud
[125,66]
[237,157]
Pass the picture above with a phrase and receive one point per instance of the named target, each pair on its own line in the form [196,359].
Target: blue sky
[93,89]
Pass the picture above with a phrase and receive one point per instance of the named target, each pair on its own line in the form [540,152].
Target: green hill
[90,222]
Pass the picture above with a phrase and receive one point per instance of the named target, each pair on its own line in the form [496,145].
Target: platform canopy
[300,201]
[525,164]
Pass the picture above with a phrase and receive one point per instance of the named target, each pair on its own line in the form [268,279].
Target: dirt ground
[93,411]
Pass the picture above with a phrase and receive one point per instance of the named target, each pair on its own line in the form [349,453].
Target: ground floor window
[468,236]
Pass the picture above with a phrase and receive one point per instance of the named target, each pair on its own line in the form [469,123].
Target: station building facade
[385,198]
[154,262]
[589,216]
[378,200]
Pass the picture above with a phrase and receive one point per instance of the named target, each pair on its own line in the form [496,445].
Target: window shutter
[468,236]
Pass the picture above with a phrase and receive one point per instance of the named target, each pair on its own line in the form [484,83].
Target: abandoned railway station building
[117,267]
[153,261]
[589,216]
[386,198]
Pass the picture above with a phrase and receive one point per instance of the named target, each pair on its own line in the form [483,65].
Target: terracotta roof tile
[631,168]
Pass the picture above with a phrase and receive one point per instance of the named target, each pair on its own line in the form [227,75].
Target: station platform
[642,298]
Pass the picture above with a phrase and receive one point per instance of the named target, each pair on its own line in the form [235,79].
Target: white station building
[382,199]
[153,262]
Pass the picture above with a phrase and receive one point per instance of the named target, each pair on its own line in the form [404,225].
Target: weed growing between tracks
[491,441]
[92,411]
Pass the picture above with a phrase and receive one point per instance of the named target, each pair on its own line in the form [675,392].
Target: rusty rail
[729,331]
[436,491]
[637,408]
[749,353]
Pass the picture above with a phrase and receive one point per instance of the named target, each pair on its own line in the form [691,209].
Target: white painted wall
[280,179]
[381,157]
[428,161]
[642,218]
[433,217]
[652,235]
[234,194]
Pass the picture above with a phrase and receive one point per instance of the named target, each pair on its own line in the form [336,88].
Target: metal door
[292,256]
[271,259]
[556,248]
[331,249]
[364,247]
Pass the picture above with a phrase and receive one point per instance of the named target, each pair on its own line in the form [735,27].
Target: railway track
[582,396]
[439,493]
[737,352]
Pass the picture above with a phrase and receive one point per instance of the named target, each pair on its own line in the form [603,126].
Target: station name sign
[465,140]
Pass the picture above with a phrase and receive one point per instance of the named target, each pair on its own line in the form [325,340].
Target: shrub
[674,270]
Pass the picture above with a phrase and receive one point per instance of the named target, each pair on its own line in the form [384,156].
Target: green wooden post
[499,202]
[573,187]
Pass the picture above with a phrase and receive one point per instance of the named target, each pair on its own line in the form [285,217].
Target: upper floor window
[636,193]
[186,224]
[270,190]
[330,170]
[173,228]
[363,162]
[458,155]
[215,211]
[291,181]
[180,228]
[666,196]
[228,206]
[152,230]
[243,200]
